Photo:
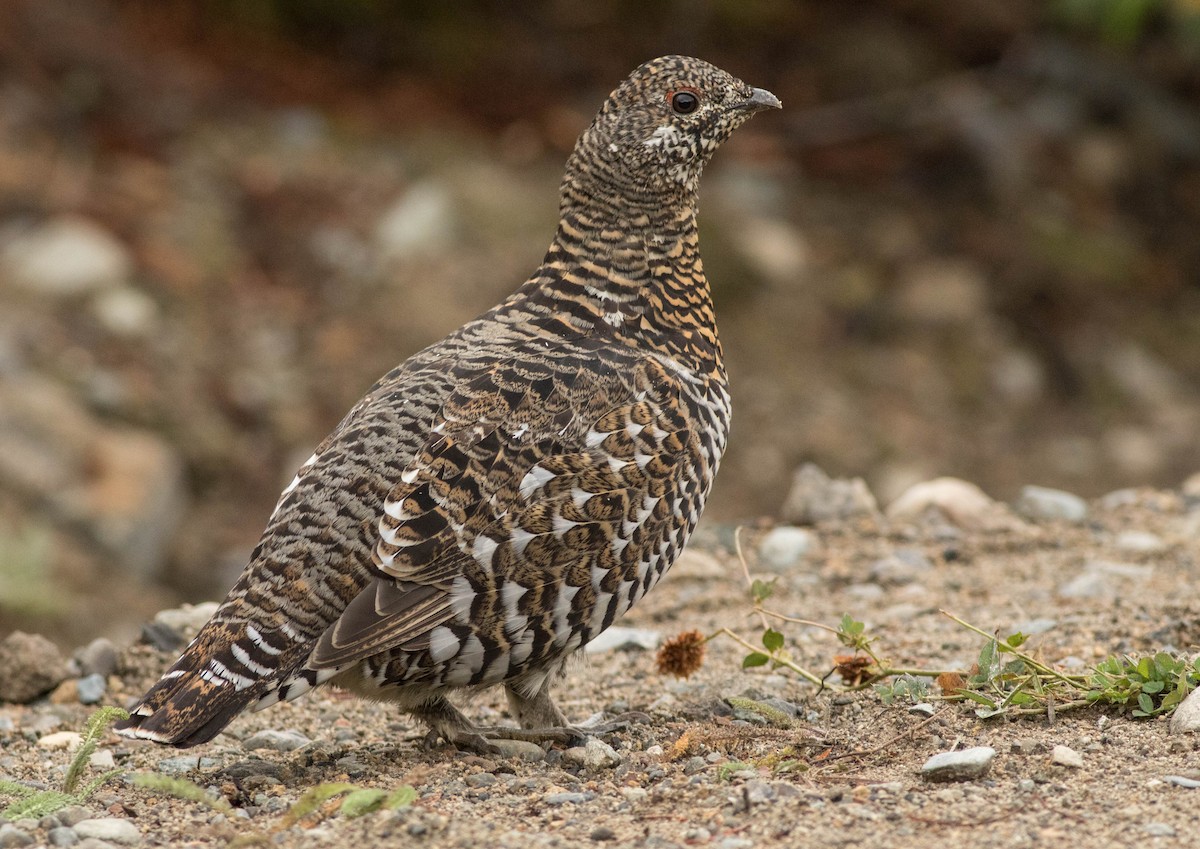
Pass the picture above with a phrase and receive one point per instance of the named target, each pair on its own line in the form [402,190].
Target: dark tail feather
[186,710]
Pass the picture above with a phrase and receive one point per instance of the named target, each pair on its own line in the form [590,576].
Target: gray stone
[30,665]
[11,836]
[568,798]
[1066,756]
[73,814]
[902,566]
[276,741]
[1182,781]
[110,829]
[1158,829]
[480,779]
[65,257]
[185,763]
[522,749]
[62,836]
[1139,542]
[962,504]
[593,755]
[1186,719]
[1043,504]
[783,547]
[964,765]
[619,638]
[99,657]
[91,689]
[1101,579]
[816,497]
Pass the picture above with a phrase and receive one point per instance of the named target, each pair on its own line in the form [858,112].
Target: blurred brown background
[968,246]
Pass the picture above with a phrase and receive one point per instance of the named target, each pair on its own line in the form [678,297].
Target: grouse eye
[685,102]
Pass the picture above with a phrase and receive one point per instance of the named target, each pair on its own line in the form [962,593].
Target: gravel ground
[697,772]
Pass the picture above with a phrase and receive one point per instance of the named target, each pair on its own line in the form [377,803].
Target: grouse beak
[759,100]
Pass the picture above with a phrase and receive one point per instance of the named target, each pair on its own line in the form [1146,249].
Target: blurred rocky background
[967,247]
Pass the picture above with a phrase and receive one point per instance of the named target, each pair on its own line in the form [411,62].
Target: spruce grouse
[500,498]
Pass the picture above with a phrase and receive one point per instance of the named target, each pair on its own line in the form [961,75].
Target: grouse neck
[639,279]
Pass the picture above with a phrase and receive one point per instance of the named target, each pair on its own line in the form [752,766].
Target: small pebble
[480,779]
[275,741]
[99,657]
[62,836]
[1186,718]
[1066,756]
[69,740]
[110,829]
[568,798]
[962,765]
[102,759]
[522,749]
[785,546]
[11,836]
[91,688]
[594,754]
[1139,542]
[619,638]
[1159,829]
[73,814]
[185,763]
[1042,504]
[603,832]
[1182,781]
[922,709]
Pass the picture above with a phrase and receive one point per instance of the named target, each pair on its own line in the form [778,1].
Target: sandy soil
[846,773]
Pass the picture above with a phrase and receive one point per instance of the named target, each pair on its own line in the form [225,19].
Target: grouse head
[654,134]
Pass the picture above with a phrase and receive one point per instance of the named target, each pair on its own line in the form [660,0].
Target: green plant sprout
[35,804]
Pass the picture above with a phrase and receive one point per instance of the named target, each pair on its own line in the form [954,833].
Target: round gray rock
[1043,504]
[30,665]
[111,830]
[964,765]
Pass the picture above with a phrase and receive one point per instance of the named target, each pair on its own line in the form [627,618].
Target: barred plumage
[501,497]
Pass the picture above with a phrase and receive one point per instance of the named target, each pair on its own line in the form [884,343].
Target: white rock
[421,222]
[1182,781]
[112,830]
[1041,503]
[962,503]
[1186,719]
[61,740]
[126,312]
[1066,756]
[963,765]
[64,257]
[621,638]
[785,546]
[1139,542]
[187,619]
[595,754]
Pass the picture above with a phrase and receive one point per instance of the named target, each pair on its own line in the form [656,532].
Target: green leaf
[359,802]
[1146,704]
[850,627]
[755,658]
[772,639]
[977,697]
[313,798]
[1015,640]
[1153,687]
[401,797]
[761,590]
[180,788]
